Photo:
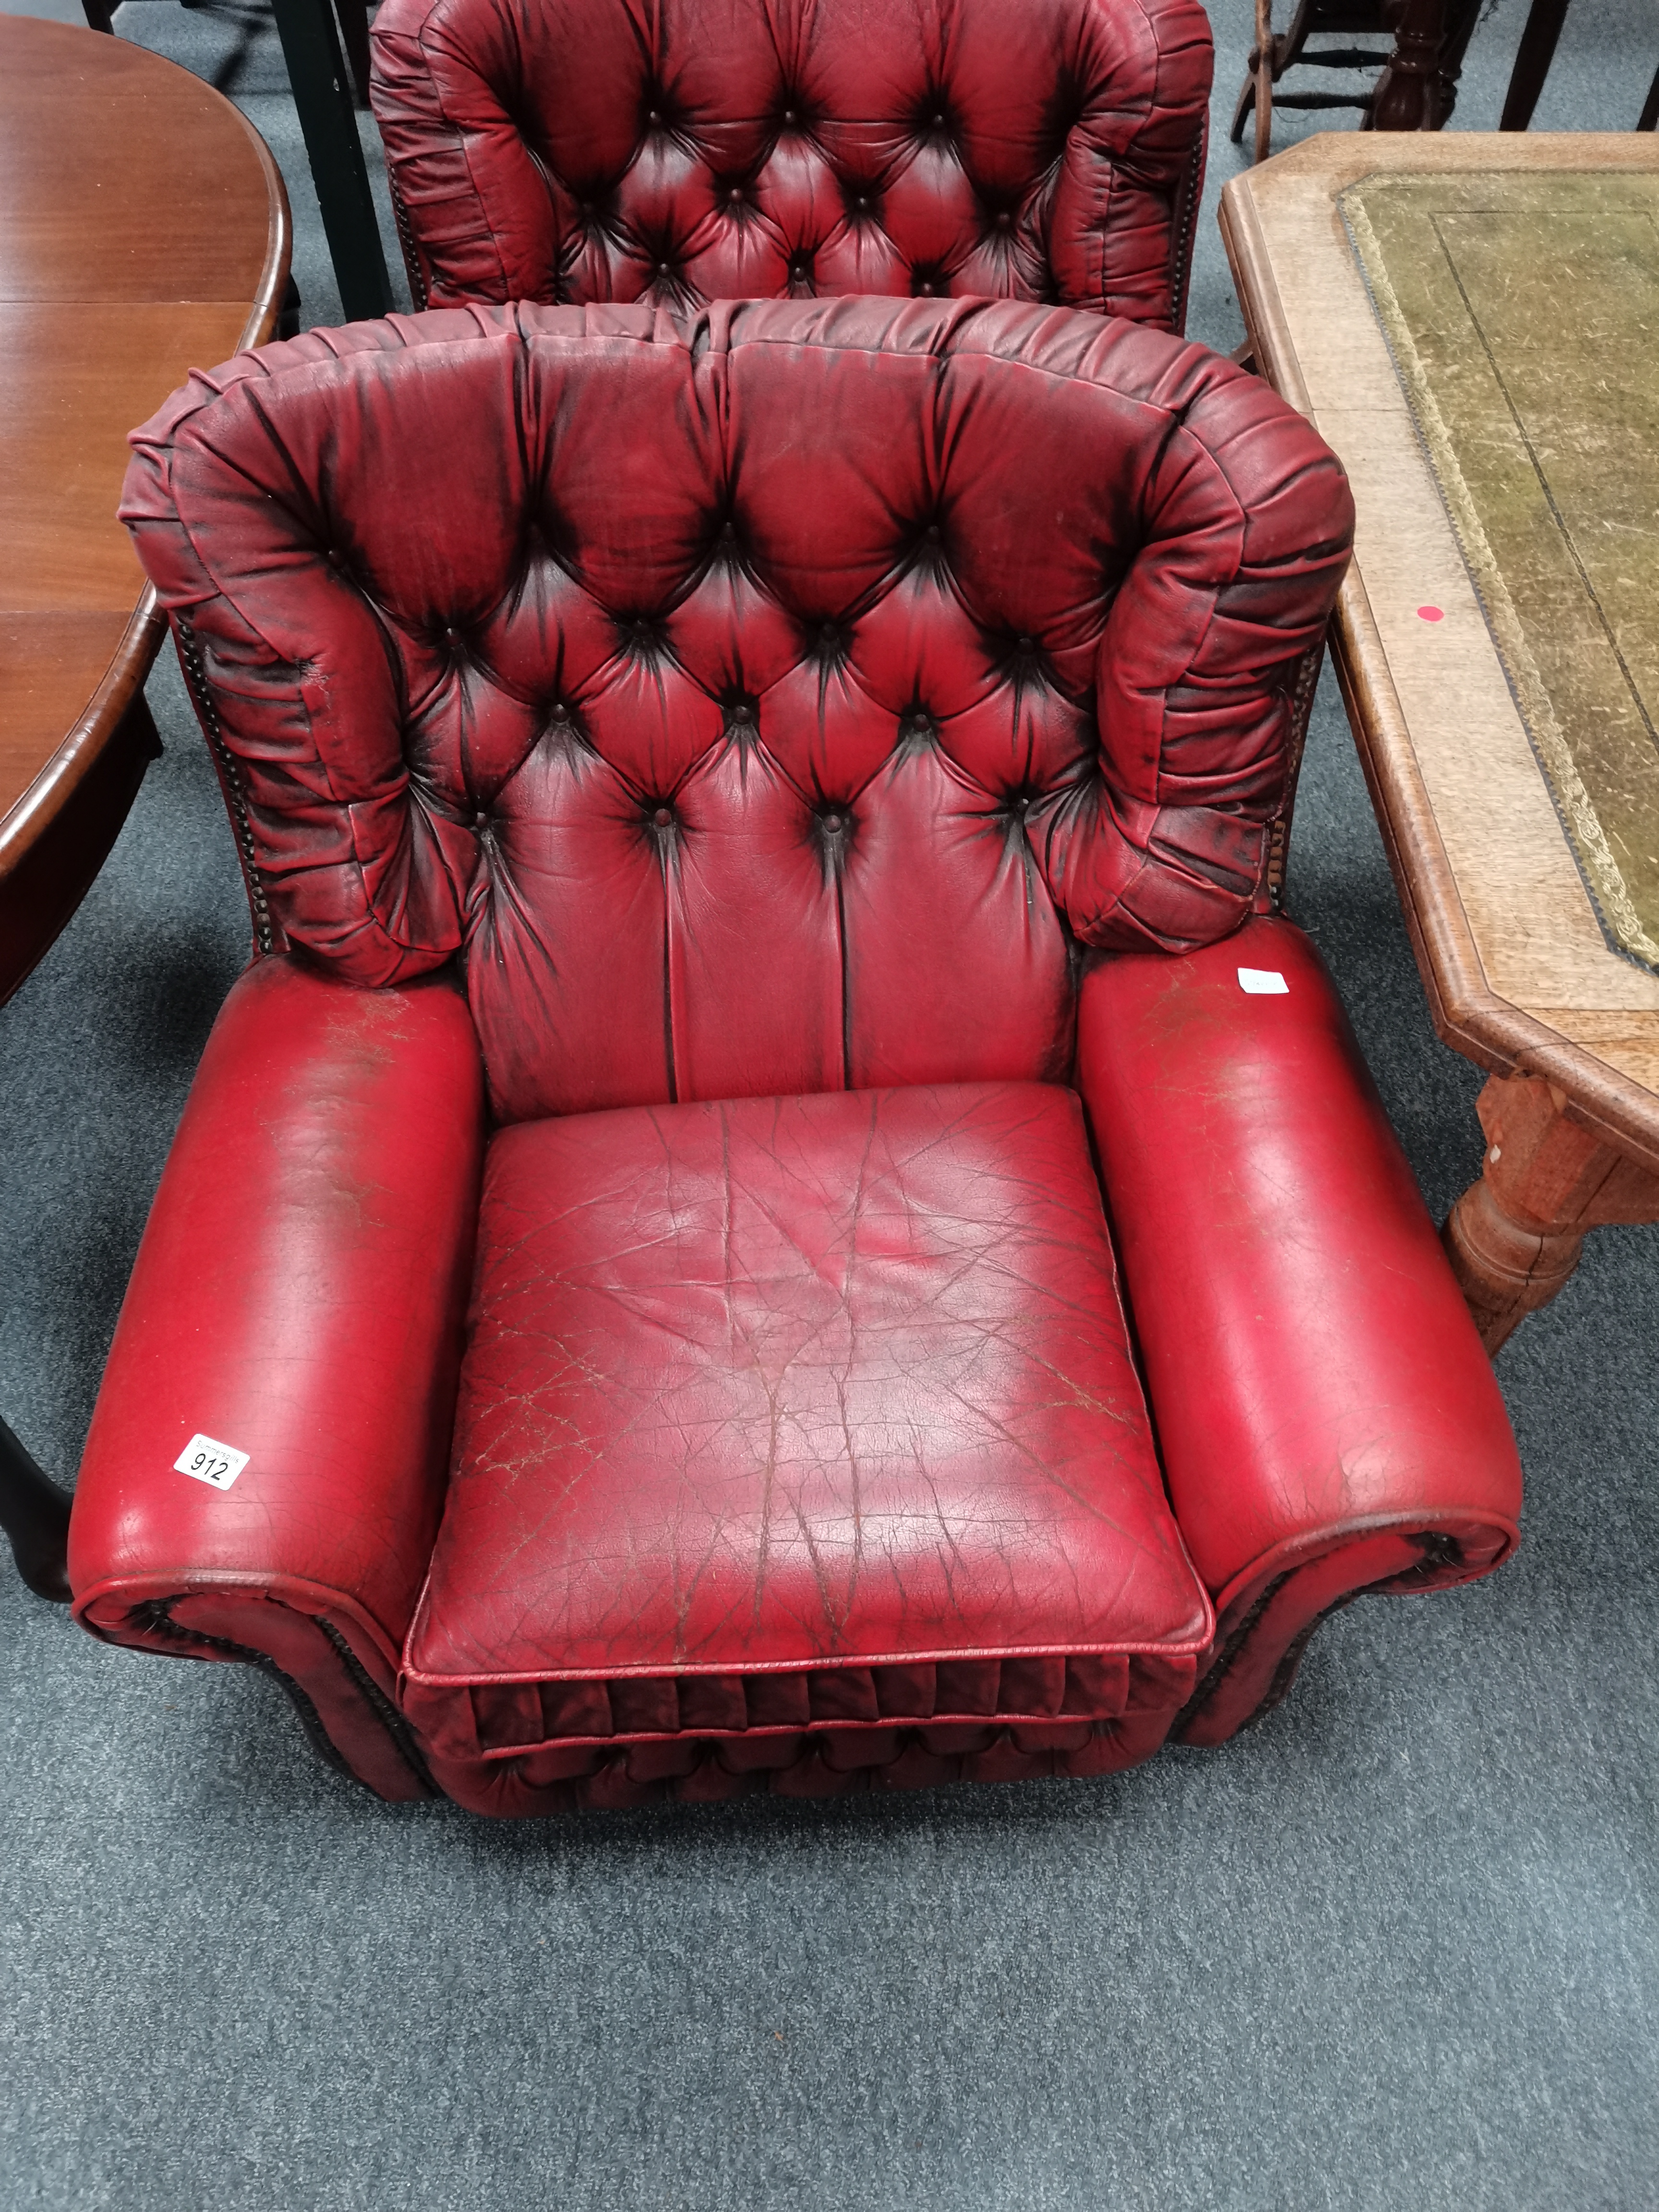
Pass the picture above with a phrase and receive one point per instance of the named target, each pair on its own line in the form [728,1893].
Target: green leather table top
[1521,311]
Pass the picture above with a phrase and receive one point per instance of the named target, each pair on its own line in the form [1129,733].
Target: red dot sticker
[1432,614]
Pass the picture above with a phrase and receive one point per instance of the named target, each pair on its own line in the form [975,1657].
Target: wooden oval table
[144,231]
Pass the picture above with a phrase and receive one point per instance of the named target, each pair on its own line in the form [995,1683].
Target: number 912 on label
[210,1461]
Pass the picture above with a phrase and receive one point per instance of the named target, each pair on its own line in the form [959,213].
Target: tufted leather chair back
[685,150]
[759,701]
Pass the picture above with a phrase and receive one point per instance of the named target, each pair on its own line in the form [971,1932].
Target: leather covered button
[833,822]
[663,818]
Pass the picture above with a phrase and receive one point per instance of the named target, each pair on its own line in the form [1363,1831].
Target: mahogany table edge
[1585,1151]
[58,832]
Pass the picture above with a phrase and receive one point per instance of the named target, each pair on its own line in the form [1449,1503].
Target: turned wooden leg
[1515,1237]
[34,1513]
[1408,96]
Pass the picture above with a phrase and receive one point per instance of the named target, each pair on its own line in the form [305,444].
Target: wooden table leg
[1515,1237]
[1408,96]
[1461,18]
[34,1513]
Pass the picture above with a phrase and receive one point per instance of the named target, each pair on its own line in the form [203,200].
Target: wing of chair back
[594,736]
[596,150]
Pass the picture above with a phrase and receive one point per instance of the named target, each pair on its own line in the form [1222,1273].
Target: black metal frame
[34,1513]
[322,95]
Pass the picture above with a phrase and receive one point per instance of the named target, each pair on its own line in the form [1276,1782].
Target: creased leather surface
[685,150]
[834,1385]
[1263,1210]
[547,634]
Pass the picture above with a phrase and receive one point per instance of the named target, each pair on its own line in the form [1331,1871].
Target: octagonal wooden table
[144,231]
[1470,320]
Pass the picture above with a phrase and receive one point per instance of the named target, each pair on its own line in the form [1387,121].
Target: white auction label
[1263,982]
[209,1460]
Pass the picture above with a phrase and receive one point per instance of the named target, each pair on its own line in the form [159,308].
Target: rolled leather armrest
[1327,1418]
[299,1297]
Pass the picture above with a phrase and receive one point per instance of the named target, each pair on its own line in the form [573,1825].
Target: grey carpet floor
[1398,1947]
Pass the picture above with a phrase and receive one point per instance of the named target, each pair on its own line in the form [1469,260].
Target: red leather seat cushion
[783,1416]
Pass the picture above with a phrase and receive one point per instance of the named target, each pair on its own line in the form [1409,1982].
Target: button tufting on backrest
[888,138]
[822,752]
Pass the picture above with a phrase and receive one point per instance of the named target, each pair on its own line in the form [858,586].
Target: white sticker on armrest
[1263,982]
[209,1462]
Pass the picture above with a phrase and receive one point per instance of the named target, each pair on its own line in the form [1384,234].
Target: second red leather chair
[695,150]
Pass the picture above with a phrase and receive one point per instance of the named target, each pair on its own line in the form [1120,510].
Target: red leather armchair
[756,832]
[582,150]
